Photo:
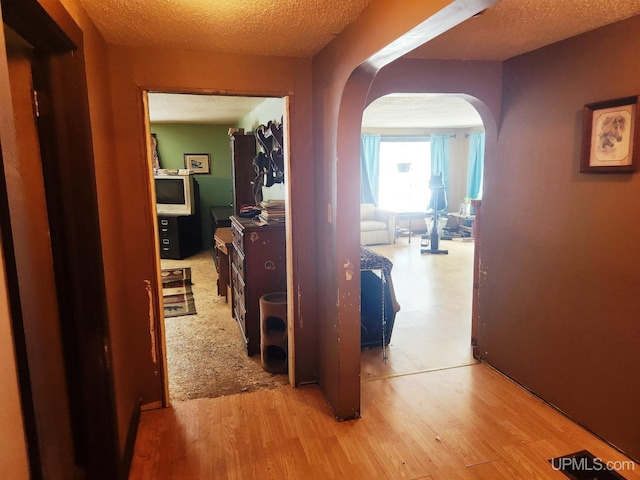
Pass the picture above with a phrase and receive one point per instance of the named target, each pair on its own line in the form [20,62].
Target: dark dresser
[258,266]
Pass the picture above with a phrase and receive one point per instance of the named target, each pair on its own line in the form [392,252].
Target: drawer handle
[269,265]
[165,241]
[164,222]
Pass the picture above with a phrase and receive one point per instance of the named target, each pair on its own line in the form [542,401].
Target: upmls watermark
[585,464]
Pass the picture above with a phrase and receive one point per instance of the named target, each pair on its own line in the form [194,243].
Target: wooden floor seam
[418,372]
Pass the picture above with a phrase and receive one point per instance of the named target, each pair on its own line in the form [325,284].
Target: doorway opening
[207,351]
[433,328]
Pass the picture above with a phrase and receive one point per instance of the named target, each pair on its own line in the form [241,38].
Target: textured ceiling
[390,111]
[301,28]
[513,27]
[187,108]
[297,28]
[420,111]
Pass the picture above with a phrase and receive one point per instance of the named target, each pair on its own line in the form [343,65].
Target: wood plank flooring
[432,330]
[467,422]
[430,411]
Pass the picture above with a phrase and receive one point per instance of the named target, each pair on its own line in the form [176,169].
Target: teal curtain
[369,168]
[476,165]
[440,157]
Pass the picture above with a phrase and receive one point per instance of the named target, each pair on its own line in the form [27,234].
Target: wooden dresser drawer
[240,312]
[237,259]
[238,285]
[237,237]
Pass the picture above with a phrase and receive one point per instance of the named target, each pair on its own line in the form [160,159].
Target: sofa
[377,226]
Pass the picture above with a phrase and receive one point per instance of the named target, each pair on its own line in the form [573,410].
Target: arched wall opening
[430,324]
[365,84]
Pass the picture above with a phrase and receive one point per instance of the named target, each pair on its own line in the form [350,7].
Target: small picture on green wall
[197,162]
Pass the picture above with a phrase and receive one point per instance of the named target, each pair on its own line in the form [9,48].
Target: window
[404,189]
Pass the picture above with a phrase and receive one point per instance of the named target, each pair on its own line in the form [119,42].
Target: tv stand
[180,236]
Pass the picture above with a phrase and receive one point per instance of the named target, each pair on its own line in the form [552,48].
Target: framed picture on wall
[197,162]
[610,136]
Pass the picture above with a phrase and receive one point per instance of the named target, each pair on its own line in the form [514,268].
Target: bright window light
[405,168]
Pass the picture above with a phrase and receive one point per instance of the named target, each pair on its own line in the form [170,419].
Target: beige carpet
[206,354]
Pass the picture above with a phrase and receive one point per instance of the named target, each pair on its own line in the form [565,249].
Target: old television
[174,192]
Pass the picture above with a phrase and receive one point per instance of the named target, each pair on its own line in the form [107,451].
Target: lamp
[403,167]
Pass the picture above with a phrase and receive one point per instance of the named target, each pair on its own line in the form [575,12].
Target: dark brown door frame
[71,197]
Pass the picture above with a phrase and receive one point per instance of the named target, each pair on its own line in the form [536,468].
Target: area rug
[176,292]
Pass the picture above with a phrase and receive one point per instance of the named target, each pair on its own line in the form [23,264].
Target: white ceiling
[301,28]
[420,111]
[391,111]
[188,108]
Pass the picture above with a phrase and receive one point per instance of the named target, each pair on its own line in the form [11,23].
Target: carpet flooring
[206,353]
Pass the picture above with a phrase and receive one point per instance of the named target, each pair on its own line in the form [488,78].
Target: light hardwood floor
[429,412]
[460,423]
[432,330]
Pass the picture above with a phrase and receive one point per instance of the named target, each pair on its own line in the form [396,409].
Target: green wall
[176,139]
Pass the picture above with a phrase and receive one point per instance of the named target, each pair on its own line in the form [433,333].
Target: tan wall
[559,306]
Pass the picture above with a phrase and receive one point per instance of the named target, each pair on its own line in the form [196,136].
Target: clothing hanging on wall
[269,163]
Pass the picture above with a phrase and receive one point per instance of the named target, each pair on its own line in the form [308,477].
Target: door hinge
[36,106]
[107,357]
[40,103]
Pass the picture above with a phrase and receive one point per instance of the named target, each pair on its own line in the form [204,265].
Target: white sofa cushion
[377,226]
[372,225]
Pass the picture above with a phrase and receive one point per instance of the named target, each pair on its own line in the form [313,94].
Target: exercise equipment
[437,203]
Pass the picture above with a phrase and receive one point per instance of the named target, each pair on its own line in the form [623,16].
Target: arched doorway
[432,329]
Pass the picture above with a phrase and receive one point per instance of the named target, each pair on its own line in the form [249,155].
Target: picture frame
[197,162]
[611,136]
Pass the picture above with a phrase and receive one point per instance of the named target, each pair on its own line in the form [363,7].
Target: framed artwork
[197,162]
[610,136]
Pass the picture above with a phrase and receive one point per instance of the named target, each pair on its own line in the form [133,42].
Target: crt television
[174,193]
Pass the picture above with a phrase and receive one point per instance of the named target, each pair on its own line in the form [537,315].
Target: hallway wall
[559,305]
